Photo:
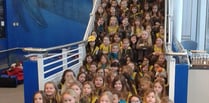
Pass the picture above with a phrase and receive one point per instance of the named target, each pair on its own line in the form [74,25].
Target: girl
[104,62]
[134,14]
[69,96]
[159,88]
[104,48]
[99,84]
[100,13]
[87,62]
[81,77]
[91,47]
[119,84]
[133,43]
[160,34]
[144,45]
[158,47]
[137,27]
[88,95]
[77,87]
[114,55]
[106,97]
[39,97]
[52,92]
[143,86]
[134,99]
[117,39]
[100,28]
[69,76]
[150,97]
[125,28]
[113,26]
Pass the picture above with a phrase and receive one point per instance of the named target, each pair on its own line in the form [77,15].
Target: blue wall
[181,83]
[45,23]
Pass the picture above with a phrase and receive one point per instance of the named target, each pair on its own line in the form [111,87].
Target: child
[106,97]
[87,62]
[133,43]
[69,96]
[104,62]
[125,28]
[88,95]
[113,26]
[114,55]
[77,87]
[119,84]
[150,97]
[68,75]
[144,85]
[159,88]
[52,92]
[134,99]
[126,51]
[39,97]
[137,27]
[99,83]
[104,48]
[144,45]
[166,100]
[81,77]
[91,47]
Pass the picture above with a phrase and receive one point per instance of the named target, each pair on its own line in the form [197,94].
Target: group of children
[125,61]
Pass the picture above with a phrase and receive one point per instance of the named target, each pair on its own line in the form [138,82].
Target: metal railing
[52,65]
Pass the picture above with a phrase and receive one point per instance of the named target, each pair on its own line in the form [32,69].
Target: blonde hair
[108,94]
[70,92]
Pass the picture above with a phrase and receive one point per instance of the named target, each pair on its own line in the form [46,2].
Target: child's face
[89,59]
[82,77]
[106,41]
[125,44]
[115,49]
[38,98]
[104,99]
[135,100]
[133,39]
[100,72]
[117,38]
[103,59]
[49,89]
[92,43]
[151,98]
[69,75]
[77,89]
[93,68]
[118,85]
[158,88]
[99,82]
[115,98]
[87,89]
[68,99]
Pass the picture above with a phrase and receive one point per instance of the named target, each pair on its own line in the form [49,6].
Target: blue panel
[30,80]
[181,83]
[46,23]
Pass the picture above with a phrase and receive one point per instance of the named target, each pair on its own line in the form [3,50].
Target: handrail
[30,49]
[92,19]
[11,49]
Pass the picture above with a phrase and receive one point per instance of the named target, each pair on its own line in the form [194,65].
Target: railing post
[64,57]
[82,52]
[40,62]
[171,76]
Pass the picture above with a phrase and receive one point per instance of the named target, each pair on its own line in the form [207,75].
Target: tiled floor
[12,95]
